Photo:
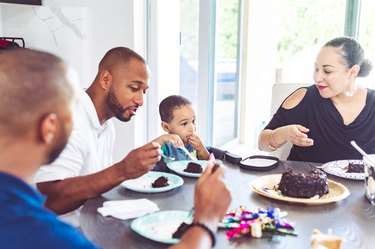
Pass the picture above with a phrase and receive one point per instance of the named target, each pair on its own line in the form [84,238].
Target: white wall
[60,31]
[259,67]
[102,25]
[113,23]
[60,3]
[164,56]
[1,23]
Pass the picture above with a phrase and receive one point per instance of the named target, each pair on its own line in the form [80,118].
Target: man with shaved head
[85,169]
[36,95]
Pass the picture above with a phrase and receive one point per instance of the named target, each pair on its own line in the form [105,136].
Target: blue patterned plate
[339,168]
[143,183]
[179,166]
[160,226]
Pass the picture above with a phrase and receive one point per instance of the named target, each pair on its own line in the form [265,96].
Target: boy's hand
[198,145]
[169,138]
[195,142]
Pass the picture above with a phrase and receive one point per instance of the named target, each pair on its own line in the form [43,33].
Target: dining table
[352,218]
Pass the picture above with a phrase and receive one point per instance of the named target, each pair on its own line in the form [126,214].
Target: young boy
[178,117]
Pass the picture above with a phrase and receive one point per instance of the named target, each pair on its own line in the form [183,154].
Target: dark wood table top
[352,218]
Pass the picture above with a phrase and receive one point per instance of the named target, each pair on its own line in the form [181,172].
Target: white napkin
[127,209]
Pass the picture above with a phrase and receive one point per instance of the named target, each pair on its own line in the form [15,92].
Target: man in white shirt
[85,169]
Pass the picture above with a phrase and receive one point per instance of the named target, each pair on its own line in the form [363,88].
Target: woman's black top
[331,136]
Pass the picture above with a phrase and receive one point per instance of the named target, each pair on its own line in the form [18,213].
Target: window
[222,56]
[226,71]
[232,52]
[303,27]
[366,37]
[189,32]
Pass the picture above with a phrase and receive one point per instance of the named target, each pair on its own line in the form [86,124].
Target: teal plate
[179,166]
[143,183]
[160,226]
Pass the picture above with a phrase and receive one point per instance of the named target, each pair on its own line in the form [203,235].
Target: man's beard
[115,107]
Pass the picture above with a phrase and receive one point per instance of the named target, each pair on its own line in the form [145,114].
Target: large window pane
[303,27]
[189,26]
[225,85]
[366,37]
[226,70]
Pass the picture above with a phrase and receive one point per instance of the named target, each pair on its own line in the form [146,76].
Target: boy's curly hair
[169,104]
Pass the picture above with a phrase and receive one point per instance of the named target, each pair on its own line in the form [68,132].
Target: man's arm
[69,194]
[211,201]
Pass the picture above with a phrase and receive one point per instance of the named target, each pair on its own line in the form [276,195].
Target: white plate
[265,185]
[339,168]
[259,163]
[179,166]
[160,226]
[143,183]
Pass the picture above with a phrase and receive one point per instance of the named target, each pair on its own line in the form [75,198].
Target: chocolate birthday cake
[193,168]
[356,168]
[301,185]
[161,181]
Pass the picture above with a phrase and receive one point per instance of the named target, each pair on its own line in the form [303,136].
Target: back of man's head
[118,56]
[32,85]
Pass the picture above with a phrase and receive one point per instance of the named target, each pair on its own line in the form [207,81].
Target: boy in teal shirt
[178,117]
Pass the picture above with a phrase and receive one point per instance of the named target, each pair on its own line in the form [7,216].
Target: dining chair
[280,91]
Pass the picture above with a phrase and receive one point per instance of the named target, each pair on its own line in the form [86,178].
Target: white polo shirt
[88,151]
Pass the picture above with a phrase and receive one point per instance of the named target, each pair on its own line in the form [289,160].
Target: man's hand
[212,198]
[139,161]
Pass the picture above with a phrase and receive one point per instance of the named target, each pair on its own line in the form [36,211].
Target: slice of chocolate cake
[299,185]
[193,168]
[160,182]
[356,168]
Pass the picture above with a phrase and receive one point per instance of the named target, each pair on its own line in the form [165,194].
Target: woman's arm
[272,139]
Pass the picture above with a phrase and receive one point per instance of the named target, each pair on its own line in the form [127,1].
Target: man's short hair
[119,55]
[169,104]
[32,84]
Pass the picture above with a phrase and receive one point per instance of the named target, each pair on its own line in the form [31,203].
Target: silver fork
[168,159]
[186,152]
[190,216]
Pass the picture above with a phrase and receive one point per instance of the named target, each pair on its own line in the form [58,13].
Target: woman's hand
[270,140]
[296,134]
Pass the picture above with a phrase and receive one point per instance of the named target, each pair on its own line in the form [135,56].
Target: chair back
[280,91]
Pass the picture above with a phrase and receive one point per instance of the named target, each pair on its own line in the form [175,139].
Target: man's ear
[48,128]
[165,127]
[105,79]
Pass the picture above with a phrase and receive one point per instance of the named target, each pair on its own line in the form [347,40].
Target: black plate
[259,163]
[232,158]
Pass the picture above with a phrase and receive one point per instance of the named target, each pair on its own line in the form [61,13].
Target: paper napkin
[127,209]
